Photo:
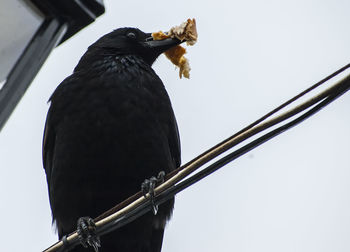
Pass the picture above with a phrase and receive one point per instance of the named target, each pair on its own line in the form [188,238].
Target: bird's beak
[161,45]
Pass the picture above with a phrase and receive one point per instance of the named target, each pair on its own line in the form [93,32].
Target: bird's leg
[148,187]
[86,230]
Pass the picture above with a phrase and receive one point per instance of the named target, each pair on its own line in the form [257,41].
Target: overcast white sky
[290,194]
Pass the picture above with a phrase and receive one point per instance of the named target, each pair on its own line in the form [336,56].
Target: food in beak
[187,31]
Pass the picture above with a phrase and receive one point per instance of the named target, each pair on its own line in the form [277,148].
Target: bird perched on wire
[110,126]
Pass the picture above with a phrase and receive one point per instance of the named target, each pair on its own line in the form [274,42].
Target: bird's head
[129,41]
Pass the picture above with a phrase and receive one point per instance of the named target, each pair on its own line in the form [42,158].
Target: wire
[274,111]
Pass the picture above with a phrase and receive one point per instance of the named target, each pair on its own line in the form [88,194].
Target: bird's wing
[174,142]
[48,148]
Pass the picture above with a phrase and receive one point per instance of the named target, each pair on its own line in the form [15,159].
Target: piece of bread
[186,31]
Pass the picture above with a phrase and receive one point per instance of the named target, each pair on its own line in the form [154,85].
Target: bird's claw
[148,187]
[160,177]
[86,230]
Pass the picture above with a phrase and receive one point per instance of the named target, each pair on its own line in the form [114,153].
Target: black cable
[283,105]
[248,147]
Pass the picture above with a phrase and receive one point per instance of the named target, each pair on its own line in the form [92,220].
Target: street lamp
[30,29]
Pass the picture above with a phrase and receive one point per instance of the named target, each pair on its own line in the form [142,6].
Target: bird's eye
[131,35]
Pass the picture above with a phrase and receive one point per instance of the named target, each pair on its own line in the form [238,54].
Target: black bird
[109,127]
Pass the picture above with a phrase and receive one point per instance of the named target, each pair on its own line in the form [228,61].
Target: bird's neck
[113,64]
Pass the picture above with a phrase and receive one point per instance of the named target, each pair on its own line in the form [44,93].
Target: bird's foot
[86,230]
[148,187]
